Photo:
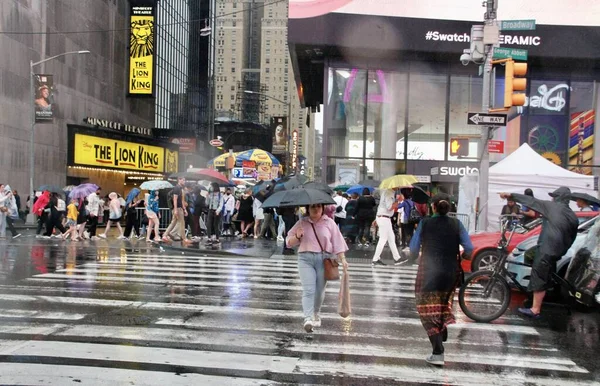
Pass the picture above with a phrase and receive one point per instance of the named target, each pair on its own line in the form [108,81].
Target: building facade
[251,54]
[86,85]
[394,91]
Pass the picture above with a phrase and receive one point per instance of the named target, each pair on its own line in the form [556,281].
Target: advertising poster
[274,172]
[581,142]
[141,51]
[347,172]
[44,98]
[547,135]
[280,135]
[264,171]
[186,145]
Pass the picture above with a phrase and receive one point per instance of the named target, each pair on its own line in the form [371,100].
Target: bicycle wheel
[484,297]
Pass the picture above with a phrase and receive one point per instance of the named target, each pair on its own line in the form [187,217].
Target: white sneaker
[86,234]
[279,238]
[308,326]
[437,360]
[95,238]
[17,236]
[121,238]
[102,235]
[316,321]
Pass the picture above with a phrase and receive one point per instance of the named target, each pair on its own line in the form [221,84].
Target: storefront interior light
[127,172]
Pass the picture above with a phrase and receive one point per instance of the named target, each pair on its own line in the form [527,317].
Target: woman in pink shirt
[318,237]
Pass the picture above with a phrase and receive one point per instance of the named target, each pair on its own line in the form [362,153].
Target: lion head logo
[141,42]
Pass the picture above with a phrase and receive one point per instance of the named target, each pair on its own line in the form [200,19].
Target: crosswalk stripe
[40,374]
[244,320]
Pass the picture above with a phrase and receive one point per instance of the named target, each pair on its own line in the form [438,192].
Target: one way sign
[486,119]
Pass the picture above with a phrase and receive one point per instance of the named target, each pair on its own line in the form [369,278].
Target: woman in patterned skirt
[438,238]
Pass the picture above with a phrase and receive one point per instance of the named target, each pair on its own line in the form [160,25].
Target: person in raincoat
[38,210]
[559,230]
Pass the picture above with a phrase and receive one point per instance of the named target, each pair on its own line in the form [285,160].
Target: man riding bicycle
[559,229]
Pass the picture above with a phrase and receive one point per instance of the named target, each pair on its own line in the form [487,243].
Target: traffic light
[513,84]
[459,147]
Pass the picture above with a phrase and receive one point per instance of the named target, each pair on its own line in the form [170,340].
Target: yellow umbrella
[257,155]
[398,181]
[219,161]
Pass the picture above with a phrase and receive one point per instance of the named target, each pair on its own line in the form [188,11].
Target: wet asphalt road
[112,312]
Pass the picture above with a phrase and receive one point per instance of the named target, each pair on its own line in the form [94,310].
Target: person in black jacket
[559,230]
[132,219]
[364,215]
[53,216]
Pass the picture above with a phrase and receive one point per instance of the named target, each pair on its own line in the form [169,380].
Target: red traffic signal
[459,147]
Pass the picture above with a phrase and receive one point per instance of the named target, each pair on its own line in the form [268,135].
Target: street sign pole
[484,166]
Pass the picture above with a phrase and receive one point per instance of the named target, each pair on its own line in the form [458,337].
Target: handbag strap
[317,236]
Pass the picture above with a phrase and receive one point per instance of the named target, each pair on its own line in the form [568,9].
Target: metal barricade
[164,221]
[462,217]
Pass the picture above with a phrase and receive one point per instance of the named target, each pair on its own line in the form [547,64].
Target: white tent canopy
[525,168]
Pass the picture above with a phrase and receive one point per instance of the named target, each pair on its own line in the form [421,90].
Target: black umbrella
[419,195]
[319,186]
[585,197]
[290,182]
[263,190]
[298,197]
[370,183]
[51,189]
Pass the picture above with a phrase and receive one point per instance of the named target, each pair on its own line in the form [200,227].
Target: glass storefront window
[465,96]
[427,116]
[344,112]
[386,120]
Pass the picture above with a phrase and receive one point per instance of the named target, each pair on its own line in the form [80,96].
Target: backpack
[413,215]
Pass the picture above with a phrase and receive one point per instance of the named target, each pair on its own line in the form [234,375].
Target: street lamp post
[32,131]
[288,104]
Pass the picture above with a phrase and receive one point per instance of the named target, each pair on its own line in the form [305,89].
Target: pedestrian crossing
[186,320]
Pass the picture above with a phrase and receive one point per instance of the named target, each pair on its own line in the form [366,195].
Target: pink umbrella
[212,176]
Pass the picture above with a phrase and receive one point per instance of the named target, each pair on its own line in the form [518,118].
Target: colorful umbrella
[219,161]
[257,155]
[156,185]
[82,191]
[358,189]
[68,188]
[211,175]
[398,181]
[298,197]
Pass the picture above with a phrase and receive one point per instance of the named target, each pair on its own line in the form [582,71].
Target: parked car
[486,255]
[525,252]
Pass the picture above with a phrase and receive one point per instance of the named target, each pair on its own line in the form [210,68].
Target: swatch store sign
[451,173]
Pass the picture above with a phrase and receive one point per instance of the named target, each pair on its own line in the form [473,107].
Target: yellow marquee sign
[104,152]
[141,51]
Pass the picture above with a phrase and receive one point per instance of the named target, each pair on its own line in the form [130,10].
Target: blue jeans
[312,276]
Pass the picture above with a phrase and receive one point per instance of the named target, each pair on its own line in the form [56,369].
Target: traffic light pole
[484,166]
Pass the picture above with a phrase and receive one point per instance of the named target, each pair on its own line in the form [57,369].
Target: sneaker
[216,243]
[122,238]
[359,244]
[94,238]
[316,321]
[140,237]
[308,326]
[46,237]
[209,241]
[377,262]
[279,238]
[38,236]
[437,360]
[102,235]
[17,236]
[367,245]
[86,234]
[401,261]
